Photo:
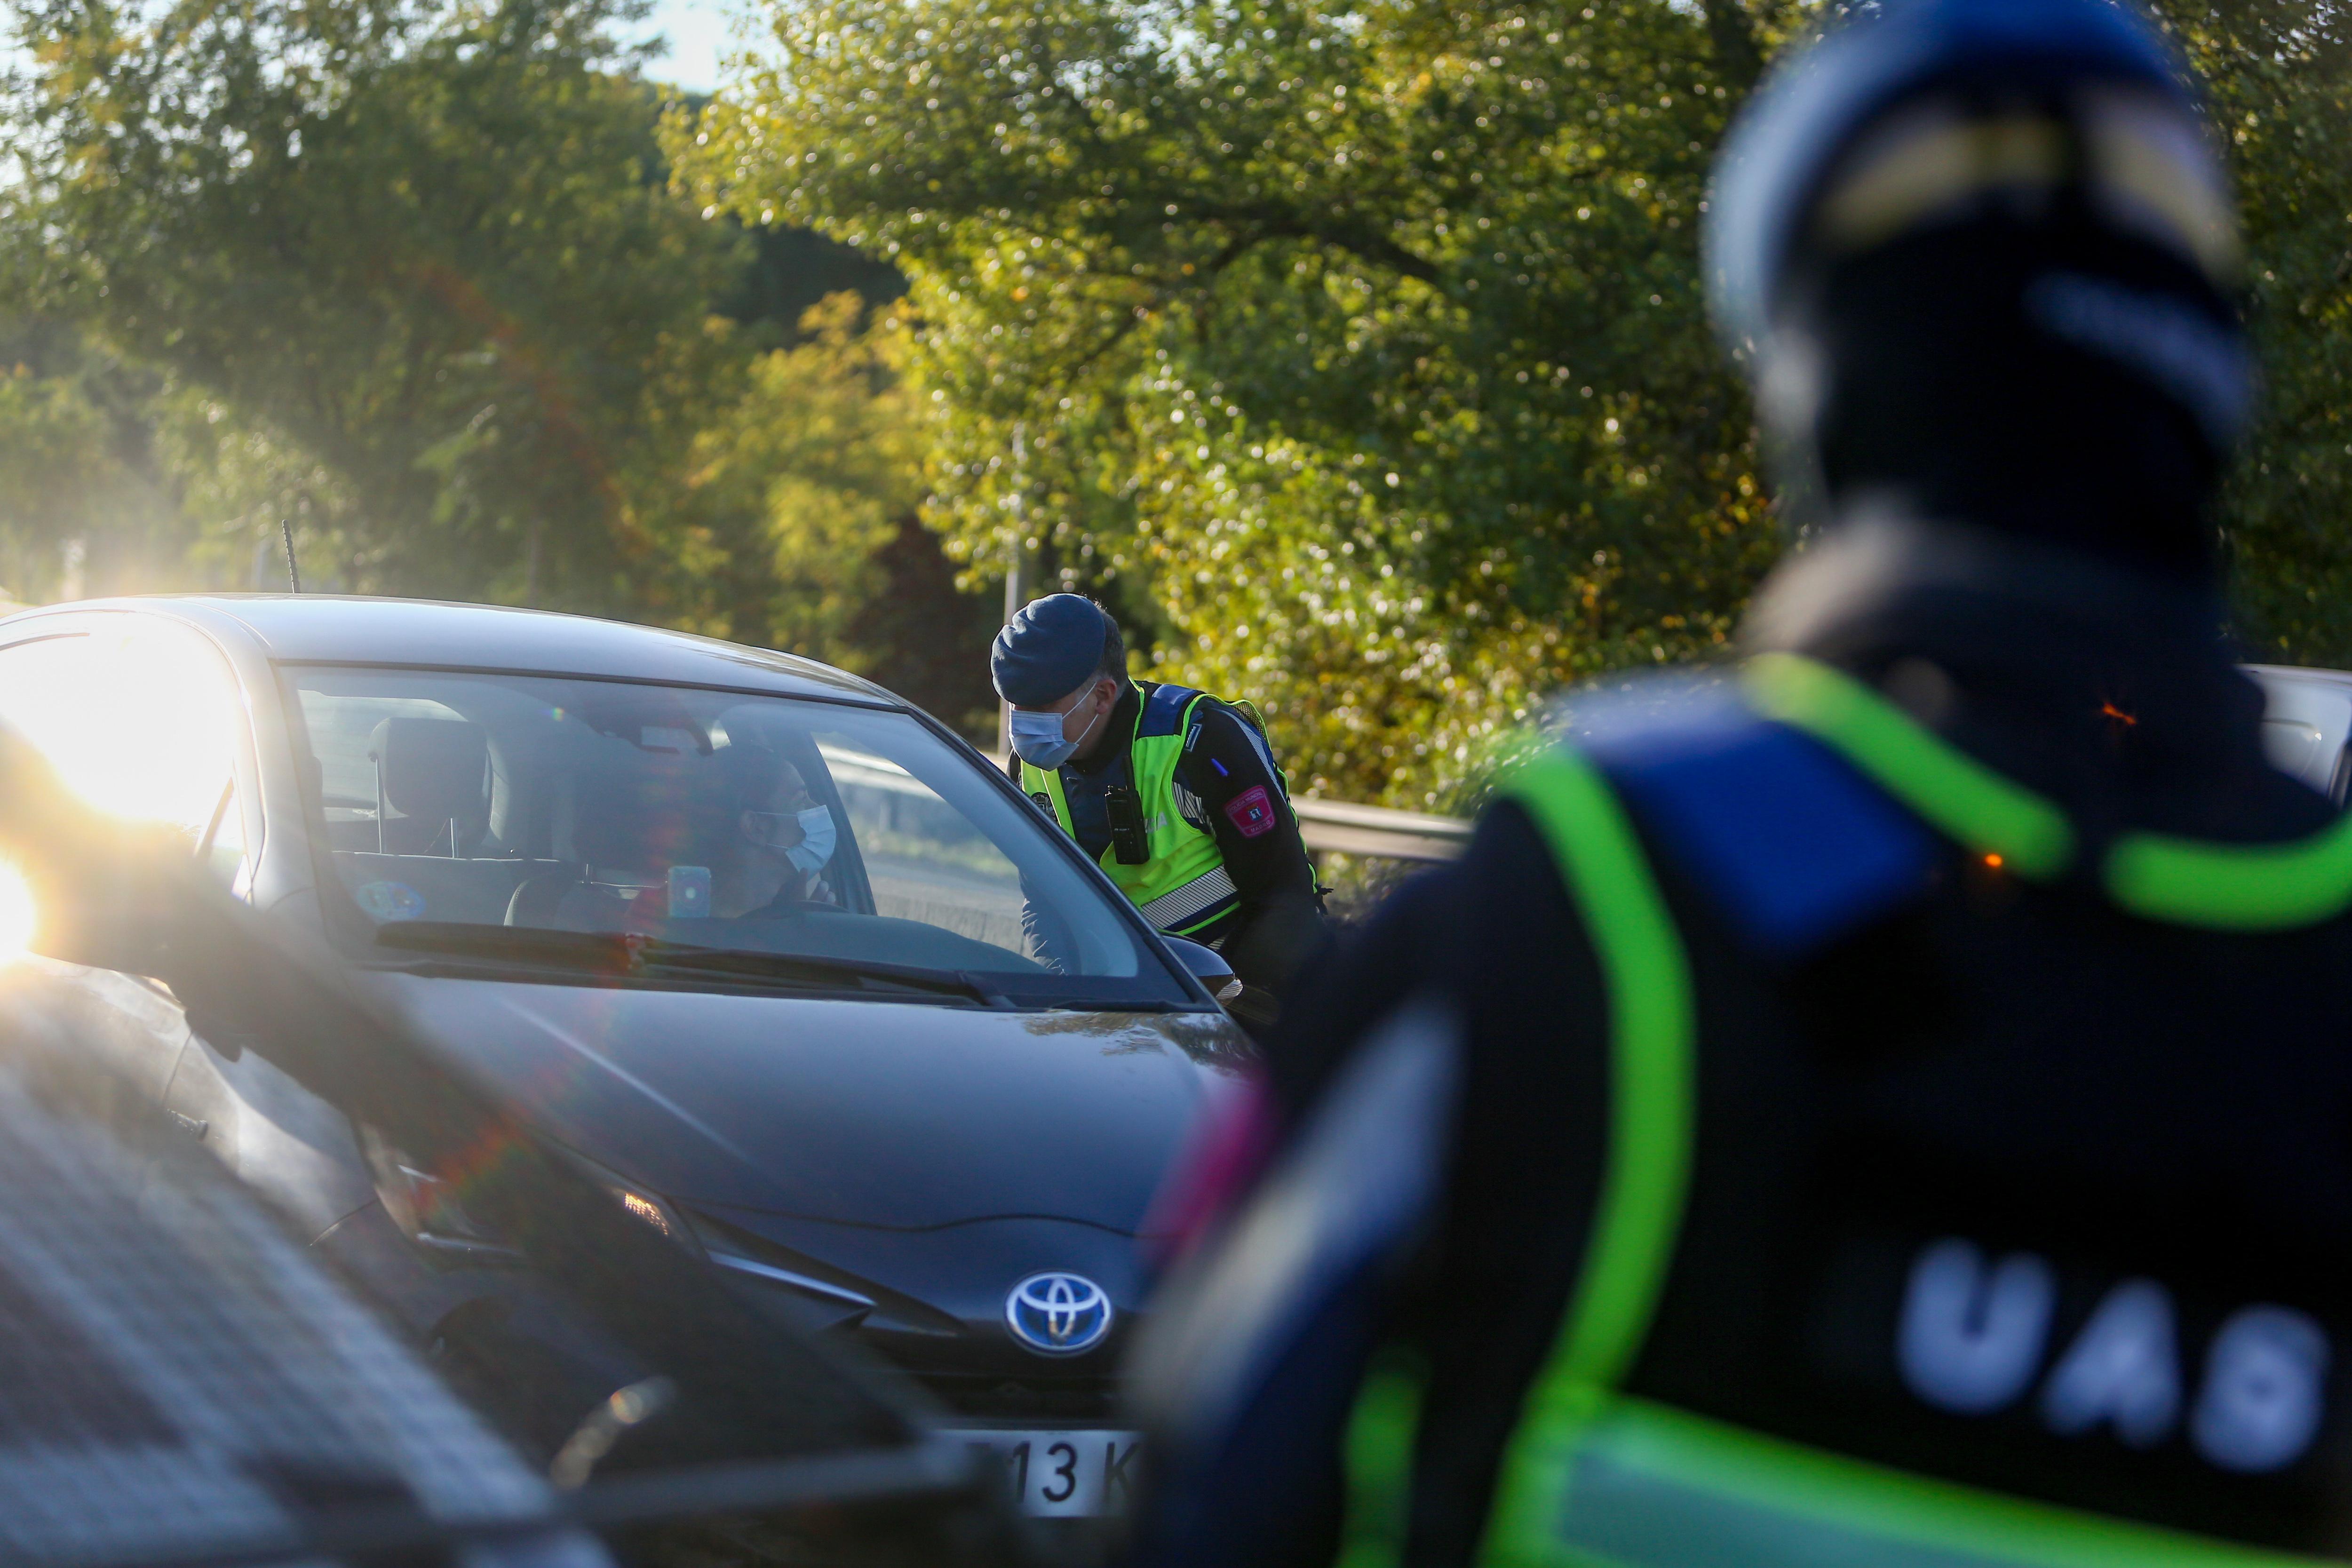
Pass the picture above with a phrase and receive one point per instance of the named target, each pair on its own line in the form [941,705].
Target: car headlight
[424,1205]
[647,1209]
[639,1204]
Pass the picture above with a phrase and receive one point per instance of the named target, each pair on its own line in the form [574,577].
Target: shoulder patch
[1252,812]
[1789,842]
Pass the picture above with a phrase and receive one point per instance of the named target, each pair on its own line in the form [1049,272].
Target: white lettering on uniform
[1970,1341]
[2264,1379]
[2122,1368]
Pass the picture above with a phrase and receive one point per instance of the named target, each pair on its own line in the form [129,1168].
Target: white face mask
[815,846]
[1037,738]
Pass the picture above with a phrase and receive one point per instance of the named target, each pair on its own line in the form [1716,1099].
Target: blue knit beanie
[1047,651]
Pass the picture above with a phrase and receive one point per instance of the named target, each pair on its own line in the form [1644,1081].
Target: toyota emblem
[1058,1314]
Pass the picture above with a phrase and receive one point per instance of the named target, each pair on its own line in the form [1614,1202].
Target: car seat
[434,774]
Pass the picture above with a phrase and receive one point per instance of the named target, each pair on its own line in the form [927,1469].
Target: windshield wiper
[457,939]
[624,953]
[732,961]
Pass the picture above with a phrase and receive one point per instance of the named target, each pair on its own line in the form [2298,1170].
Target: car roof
[334,628]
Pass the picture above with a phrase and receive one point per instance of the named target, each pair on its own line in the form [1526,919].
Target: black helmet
[1978,256]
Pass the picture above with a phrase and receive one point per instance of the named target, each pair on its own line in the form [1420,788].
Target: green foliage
[56,471]
[412,277]
[82,494]
[1354,353]
[815,450]
[818,445]
[1369,339]
[431,248]
[2280,73]
[1364,343]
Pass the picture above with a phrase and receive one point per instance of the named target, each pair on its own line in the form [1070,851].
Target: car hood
[905,1115]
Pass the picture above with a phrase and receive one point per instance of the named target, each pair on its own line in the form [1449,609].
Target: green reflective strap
[1659,1487]
[1967,801]
[2233,887]
[1653,1016]
[2157,877]
[1378,1457]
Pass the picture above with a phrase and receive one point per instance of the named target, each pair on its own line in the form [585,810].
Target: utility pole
[1017,590]
[1017,593]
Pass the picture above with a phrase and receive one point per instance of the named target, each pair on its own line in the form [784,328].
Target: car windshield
[695,836]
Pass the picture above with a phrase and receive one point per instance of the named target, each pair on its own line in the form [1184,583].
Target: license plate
[1065,1475]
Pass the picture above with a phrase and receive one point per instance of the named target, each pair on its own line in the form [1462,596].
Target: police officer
[1174,793]
[1888,1103]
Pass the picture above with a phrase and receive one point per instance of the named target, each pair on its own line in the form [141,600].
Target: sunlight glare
[138,722]
[17,914]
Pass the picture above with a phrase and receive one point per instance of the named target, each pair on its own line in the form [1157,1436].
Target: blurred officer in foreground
[1888,1104]
[1174,793]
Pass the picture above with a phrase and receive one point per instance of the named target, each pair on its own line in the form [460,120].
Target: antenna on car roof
[293,573]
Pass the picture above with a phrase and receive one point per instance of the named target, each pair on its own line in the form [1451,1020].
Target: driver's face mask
[1038,739]
[817,838]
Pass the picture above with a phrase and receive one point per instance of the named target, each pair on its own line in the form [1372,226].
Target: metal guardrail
[1373,830]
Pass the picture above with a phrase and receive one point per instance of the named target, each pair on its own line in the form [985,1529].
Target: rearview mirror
[1206,965]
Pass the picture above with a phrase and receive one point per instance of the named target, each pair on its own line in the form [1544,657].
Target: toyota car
[794,971]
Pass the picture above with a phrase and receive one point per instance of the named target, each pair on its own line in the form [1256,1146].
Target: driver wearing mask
[778,845]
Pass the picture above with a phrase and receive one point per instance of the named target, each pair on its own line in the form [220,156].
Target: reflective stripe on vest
[1653,1048]
[1185,875]
[1952,792]
[1653,1486]
[1652,1020]
[2157,876]
[1170,912]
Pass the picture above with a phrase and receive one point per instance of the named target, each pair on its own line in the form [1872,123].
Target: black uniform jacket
[2022,1070]
[1227,787]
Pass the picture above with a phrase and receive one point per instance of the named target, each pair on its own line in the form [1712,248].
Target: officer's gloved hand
[1255,1008]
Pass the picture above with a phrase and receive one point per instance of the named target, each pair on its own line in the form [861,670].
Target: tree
[429,245]
[818,452]
[412,277]
[2280,75]
[84,491]
[1370,338]
[1366,342]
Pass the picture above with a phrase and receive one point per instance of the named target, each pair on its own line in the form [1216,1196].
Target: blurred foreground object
[179,1381]
[1885,1103]
[185,1384]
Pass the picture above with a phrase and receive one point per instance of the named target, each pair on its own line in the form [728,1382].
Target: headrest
[433,768]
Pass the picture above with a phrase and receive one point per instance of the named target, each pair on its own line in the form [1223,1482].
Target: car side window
[925,860]
[141,719]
